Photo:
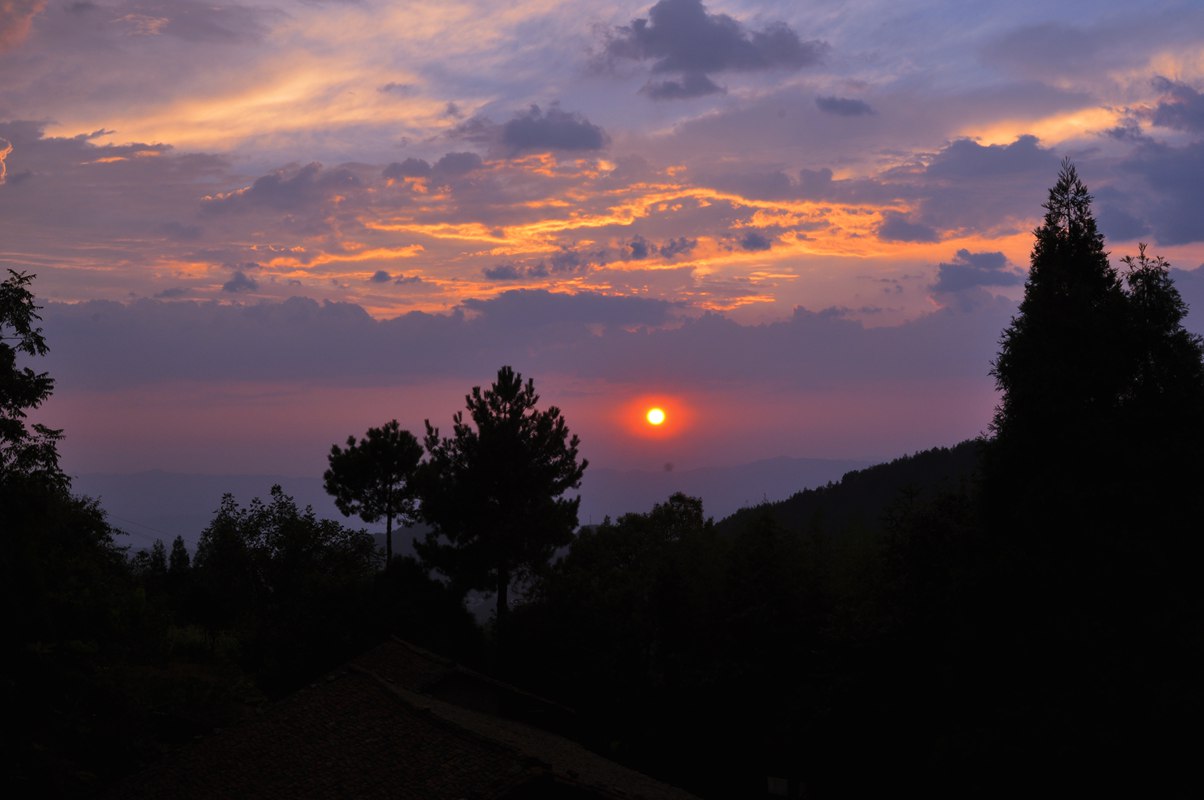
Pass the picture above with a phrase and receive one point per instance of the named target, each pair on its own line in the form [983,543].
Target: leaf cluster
[31,450]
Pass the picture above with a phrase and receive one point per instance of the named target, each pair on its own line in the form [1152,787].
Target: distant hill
[723,490]
[861,496]
[162,505]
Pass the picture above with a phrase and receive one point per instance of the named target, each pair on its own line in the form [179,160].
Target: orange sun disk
[655,416]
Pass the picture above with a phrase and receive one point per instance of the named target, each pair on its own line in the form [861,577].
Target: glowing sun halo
[655,416]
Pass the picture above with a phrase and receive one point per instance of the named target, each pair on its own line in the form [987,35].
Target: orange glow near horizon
[638,417]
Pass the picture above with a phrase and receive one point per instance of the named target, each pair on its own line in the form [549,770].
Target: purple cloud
[239,282]
[691,84]
[680,36]
[410,168]
[1182,107]
[753,241]
[290,189]
[16,17]
[555,129]
[896,227]
[970,270]
[844,106]
[503,272]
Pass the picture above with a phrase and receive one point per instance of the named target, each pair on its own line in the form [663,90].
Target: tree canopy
[26,451]
[1100,383]
[494,490]
[372,478]
[1058,368]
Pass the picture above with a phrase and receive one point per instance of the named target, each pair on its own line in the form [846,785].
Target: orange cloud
[16,19]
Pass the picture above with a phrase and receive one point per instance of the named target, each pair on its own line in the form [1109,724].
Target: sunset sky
[798,227]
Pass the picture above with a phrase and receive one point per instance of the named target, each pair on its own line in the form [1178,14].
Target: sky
[799,227]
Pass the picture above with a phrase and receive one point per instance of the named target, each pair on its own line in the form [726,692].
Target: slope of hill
[861,497]
[723,490]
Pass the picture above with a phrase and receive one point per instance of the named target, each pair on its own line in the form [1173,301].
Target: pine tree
[1092,487]
[1058,367]
[494,489]
[372,478]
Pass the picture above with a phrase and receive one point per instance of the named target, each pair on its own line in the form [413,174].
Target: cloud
[1114,220]
[691,84]
[1175,194]
[239,282]
[1182,107]
[587,349]
[965,158]
[398,89]
[536,130]
[638,248]
[969,187]
[680,36]
[973,270]
[410,168]
[540,308]
[289,189]
[815,184]
[1046,50]
[565,261]
[197,22]
[380,276]
[896,227]
[331,343]
[454,165]
[181,232]
[16,18]
[504,272]
[753,241]
[1190,283]
[679,246]
[6,147]
[844,106]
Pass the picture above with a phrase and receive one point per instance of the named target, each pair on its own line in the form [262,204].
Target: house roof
[398,722]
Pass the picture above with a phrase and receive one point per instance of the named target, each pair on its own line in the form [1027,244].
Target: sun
[655,416]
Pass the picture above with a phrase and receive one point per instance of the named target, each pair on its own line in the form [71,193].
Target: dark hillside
[861,498]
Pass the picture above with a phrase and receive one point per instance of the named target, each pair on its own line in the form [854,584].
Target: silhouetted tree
[1100,386]
[64,584]
[372,479]
[285,581]
[1091,485]
[1059,368]
[179,561]
[494,489]
[24,451]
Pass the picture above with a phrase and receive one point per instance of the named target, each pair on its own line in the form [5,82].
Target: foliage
[861,497]
[289,583]
[494,489]
[1058,368]
[1092,488]
[32,450]
[373,478]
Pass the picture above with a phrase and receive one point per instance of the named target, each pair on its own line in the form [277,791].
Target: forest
[1020,613]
